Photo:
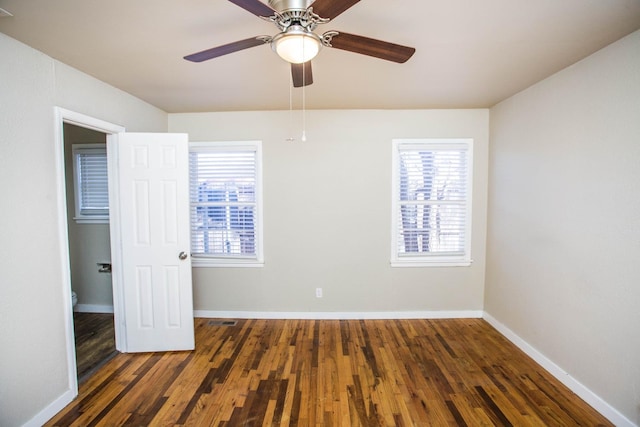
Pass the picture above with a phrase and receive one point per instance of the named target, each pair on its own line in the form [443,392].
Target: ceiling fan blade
[301,74]
[227,48]
[255,6]
[331,8]
[371,47]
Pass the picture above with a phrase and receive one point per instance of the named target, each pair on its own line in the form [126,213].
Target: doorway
[109,132]
[86,184]
[162,159]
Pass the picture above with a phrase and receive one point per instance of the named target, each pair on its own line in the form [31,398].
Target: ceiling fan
[297,43]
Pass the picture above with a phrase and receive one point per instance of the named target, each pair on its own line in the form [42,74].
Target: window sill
[225,263]
[89,220]
[423,263]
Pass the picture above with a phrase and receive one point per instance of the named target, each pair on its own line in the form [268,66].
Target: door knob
[182,255]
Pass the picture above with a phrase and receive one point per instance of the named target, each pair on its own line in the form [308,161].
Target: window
[226,208]
[91,185]
[431,202]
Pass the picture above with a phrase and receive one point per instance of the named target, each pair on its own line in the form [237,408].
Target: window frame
[213,260]
[426,259]
[100,217]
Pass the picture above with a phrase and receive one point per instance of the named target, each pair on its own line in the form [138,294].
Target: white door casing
[153,214]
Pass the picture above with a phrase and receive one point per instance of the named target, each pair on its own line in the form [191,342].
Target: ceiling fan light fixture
[296,45]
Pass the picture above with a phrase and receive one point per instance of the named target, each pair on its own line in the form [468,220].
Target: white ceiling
[469,53]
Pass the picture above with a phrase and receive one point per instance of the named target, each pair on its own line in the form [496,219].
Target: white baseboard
[564,377]
[93,308]
[337,315]
[51,410]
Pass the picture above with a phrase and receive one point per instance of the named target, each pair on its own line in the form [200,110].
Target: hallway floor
[95,340]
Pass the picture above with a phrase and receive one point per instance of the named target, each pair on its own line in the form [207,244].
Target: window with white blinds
[225,195]
[91,185]
[432,181]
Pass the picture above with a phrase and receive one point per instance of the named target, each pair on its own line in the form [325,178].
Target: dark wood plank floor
[95,340]
[458,372]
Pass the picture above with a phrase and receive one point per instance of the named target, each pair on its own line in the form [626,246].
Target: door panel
[154,217]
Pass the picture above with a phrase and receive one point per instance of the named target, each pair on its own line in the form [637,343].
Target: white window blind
[91,183]
[432,202]
[225,193]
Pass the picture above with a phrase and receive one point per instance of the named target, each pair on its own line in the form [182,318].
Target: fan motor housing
[284,5]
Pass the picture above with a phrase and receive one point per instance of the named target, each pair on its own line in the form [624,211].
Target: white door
[153,181]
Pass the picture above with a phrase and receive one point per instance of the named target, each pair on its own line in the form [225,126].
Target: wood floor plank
[458,372]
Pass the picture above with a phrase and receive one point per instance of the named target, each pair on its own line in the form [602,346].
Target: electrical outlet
[318,292]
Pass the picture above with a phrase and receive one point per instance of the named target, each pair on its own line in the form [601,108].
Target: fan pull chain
[304,104]
[290,138]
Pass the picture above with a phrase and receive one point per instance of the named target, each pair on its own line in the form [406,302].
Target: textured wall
[564,224]
[327,213]
[33,368]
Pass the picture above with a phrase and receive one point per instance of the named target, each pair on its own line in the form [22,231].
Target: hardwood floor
[458,372]
[95,340]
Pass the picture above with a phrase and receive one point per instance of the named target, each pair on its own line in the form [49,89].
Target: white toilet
[74,298]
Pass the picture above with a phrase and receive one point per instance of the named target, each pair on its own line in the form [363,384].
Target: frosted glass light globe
[296,46]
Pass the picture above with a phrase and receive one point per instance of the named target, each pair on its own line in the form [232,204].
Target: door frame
[62,116]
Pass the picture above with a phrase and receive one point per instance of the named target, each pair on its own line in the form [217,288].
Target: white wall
[563,268]
[328,217]
[33,367]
